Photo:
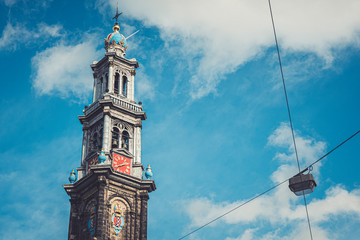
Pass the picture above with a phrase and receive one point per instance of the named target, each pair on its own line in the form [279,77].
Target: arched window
[125,140]
[100,139]
[115,138]
[124,86]
[101,86]
[106,83]
[116,84]
[98,88]
[94,142]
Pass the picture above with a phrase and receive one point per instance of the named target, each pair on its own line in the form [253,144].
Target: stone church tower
[108,194]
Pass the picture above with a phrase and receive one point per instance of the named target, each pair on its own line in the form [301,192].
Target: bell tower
[108,194]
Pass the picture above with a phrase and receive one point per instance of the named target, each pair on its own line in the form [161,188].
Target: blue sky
[217,131]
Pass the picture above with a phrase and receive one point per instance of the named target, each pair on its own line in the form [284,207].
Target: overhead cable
[288,108]
[270,189]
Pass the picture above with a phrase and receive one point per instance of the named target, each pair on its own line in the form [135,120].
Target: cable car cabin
[302,184]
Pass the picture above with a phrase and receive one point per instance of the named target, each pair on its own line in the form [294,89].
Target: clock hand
[120,165]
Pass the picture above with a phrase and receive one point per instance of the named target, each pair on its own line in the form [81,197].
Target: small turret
[73,177]
[102,157]
[148,172]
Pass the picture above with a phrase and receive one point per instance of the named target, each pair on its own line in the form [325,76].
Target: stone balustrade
[116,101]
[128,105]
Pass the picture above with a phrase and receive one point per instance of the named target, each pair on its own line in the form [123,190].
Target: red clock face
[121,163]
[92,161]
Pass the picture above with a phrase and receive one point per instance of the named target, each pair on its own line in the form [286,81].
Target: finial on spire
[117,13]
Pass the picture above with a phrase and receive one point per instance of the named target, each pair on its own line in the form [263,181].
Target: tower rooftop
[115,41]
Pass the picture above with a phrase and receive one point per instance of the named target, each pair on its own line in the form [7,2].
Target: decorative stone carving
[96,133]
[133,72]
[118,217]
[121,125]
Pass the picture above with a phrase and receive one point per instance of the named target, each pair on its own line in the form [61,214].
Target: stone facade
[104,188]
[113,109]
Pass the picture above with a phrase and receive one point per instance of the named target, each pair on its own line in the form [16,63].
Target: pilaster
[121,80]
[94,87]
[138,144]
[84,145]
[106,133]
[132,85]
[101,231]
[111,77]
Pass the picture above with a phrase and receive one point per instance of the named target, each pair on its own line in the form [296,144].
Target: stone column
[132,85]
[121,79]
[102,86]
[133,88]
[74,223]
[138,145]
[94,91]
[106,133]
[137,223]
[132,224]
[143,228]
[84,146]
[129,88]
[111,77]
[101,227]
[134,144]
[106,81]
[98,89]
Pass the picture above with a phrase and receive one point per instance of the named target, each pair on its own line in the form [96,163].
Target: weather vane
[117,12]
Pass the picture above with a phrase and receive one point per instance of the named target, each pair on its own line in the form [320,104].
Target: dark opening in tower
[116,84]
[124,86]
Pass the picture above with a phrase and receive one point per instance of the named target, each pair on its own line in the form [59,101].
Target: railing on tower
[128,105]
[116,101]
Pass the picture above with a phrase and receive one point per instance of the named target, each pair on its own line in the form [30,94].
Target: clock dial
[92,161]
[121,163]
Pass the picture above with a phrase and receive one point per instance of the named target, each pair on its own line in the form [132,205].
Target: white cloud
[219,36]
[9,37]
[33,201]
[248,235]
[27,4]
[281,207]
[9,3]
[15,36]
[309,150]
[337,201]
[64,69]
[145,89]
[49,30]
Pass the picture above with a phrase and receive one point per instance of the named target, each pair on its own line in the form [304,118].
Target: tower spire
[108,193]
